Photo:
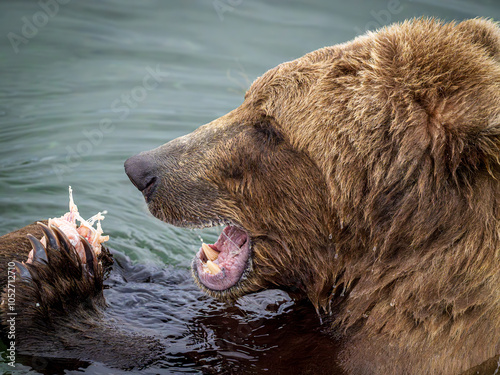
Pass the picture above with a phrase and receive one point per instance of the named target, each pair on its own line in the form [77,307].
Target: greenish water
[86,84]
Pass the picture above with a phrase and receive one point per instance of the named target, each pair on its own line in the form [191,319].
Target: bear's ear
[483,33]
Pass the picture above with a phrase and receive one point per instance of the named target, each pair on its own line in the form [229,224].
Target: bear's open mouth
[225,263]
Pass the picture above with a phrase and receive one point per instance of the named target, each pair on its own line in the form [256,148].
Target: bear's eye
[267,133]
[233,172]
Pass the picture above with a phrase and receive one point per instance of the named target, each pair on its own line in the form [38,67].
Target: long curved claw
[69,250]
[22,271]
[63,239]
[39,252]
[89,255]
[52,241]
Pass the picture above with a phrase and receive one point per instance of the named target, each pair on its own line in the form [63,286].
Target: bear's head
[241,171]
[352,166]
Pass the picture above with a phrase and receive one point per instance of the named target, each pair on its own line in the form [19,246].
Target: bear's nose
[141,170]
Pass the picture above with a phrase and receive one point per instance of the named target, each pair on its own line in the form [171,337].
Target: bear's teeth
[210,253]
[212,267]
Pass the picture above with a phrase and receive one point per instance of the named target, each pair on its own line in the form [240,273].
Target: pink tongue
[231,238]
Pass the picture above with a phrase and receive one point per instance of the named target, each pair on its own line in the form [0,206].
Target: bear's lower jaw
[221,267]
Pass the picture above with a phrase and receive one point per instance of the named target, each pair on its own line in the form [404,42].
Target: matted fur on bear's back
[404,123]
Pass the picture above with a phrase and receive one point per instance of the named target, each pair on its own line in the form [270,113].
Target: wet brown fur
[16,246]
[59,311]
[368,177]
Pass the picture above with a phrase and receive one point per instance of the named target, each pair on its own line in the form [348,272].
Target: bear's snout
[141,171]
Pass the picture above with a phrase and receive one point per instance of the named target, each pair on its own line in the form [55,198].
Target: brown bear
[365,176]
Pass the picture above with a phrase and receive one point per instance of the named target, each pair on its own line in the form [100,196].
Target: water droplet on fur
[392,303]
[343,292]
[330,236]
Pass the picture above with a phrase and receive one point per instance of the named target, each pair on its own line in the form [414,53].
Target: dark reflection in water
[290,342]
[262,333]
